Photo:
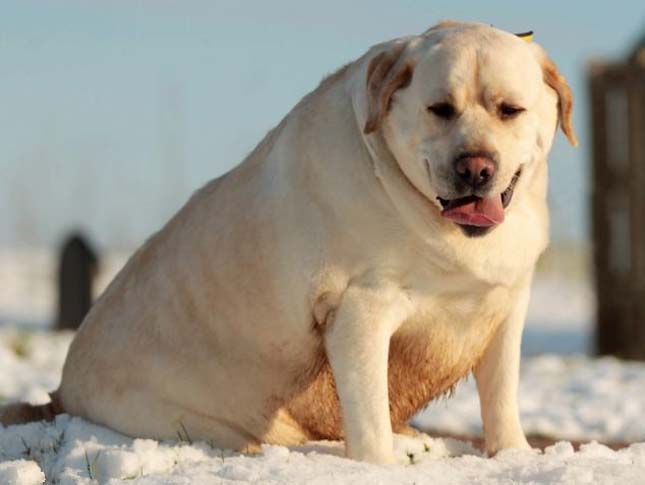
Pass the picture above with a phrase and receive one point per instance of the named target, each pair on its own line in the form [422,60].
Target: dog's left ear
[565,97]
[386,73]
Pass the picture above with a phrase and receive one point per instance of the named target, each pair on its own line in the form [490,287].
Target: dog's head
[467,110]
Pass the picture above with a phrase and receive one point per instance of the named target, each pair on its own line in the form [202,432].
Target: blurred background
[113,113]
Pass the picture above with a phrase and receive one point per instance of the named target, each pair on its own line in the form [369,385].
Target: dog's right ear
[386,73]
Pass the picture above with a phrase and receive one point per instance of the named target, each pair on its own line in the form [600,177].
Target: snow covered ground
[71,451]
[564,394]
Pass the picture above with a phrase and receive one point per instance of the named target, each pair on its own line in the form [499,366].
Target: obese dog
[376,247]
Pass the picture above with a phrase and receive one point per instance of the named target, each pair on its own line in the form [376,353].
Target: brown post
[618,203]
[78,264]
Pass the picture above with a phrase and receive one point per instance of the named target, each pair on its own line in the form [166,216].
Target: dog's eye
[444,111]
[507,111]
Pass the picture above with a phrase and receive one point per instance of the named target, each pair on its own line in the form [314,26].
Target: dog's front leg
[357,344]
[497,377]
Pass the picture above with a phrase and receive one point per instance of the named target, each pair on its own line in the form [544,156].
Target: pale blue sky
[145,101]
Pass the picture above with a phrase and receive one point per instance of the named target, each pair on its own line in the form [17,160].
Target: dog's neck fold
[399,189]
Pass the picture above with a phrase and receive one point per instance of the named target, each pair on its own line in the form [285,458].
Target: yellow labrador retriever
[376,247]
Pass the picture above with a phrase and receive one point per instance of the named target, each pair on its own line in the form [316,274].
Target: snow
[575,398]
[71,451]
[563,394]
[21,472]
[31,363]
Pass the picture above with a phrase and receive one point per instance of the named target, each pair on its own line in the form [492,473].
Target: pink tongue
[475,211]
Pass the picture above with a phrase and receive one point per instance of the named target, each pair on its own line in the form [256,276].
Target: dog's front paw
[516,442]
[377,457]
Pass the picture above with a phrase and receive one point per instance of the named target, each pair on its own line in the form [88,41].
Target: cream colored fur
[325,254]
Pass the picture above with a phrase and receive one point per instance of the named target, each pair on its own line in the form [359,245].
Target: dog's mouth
[476,214]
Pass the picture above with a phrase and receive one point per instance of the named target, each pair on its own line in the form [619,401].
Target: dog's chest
[457,318]
[439,345]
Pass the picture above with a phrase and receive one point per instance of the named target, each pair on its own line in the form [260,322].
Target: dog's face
[467,110]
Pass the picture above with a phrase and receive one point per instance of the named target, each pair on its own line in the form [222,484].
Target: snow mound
[21,472]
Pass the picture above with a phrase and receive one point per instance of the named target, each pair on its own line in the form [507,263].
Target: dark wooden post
[76,271]
[618,131]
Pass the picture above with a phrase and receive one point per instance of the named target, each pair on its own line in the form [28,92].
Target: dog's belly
[422,366]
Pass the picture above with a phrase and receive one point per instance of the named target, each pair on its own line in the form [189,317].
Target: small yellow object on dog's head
[526,36]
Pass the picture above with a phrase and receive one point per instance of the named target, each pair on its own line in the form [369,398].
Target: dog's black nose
[475,170]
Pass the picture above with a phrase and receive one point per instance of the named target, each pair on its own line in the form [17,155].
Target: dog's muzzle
[481,213]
